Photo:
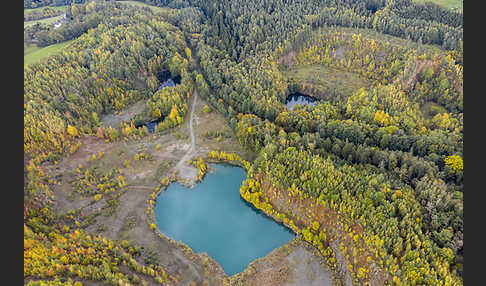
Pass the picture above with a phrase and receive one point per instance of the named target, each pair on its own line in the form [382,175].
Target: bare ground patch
[122,215]
[114,120]
[421,64]
[289,265]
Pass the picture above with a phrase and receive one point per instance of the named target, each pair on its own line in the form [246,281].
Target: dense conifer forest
[374,172]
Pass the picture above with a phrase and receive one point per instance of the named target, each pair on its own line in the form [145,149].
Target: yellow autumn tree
[72,131]
[188,53]
[206,109]
[174,115]
[382,117]
[455,162]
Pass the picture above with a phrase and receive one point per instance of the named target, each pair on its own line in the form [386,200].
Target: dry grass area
[289,265]
[206,123]
[327,80]
[121,215]
[114,120]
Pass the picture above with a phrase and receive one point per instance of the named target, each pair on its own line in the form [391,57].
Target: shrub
[97,197]
[124,244]
[206,109]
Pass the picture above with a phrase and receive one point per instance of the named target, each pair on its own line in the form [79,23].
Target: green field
[34,53]
[451,4]
[62,8]
[153,8]
[367,33]
[30,49]
[45,21]
[327,79]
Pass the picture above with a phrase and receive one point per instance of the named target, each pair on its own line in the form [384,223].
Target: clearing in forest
[141,4]
[62,8]
[33,54]
[327,80]
[451,4]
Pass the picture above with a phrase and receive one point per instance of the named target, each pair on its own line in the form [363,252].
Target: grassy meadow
[451,4]
[62,8]
[33,53]
[326,79]
[153,8]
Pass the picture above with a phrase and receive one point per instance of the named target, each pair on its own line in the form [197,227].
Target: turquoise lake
[213,218]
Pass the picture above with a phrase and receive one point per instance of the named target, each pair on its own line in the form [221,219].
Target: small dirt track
[185,171]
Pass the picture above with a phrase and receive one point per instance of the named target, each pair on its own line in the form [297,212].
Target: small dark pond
[168,83]
[152,124]
[301,99]
[167,79]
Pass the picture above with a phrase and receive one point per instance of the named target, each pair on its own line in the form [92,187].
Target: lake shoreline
[194,216]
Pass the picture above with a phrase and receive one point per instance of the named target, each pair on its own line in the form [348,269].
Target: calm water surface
[151,125]
[168,83]
[213,218]
[299,98]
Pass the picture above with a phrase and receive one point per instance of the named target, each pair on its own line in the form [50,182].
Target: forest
[381,165]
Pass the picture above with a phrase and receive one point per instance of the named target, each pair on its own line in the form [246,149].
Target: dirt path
[185,171]
[418,68]
[193,140]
